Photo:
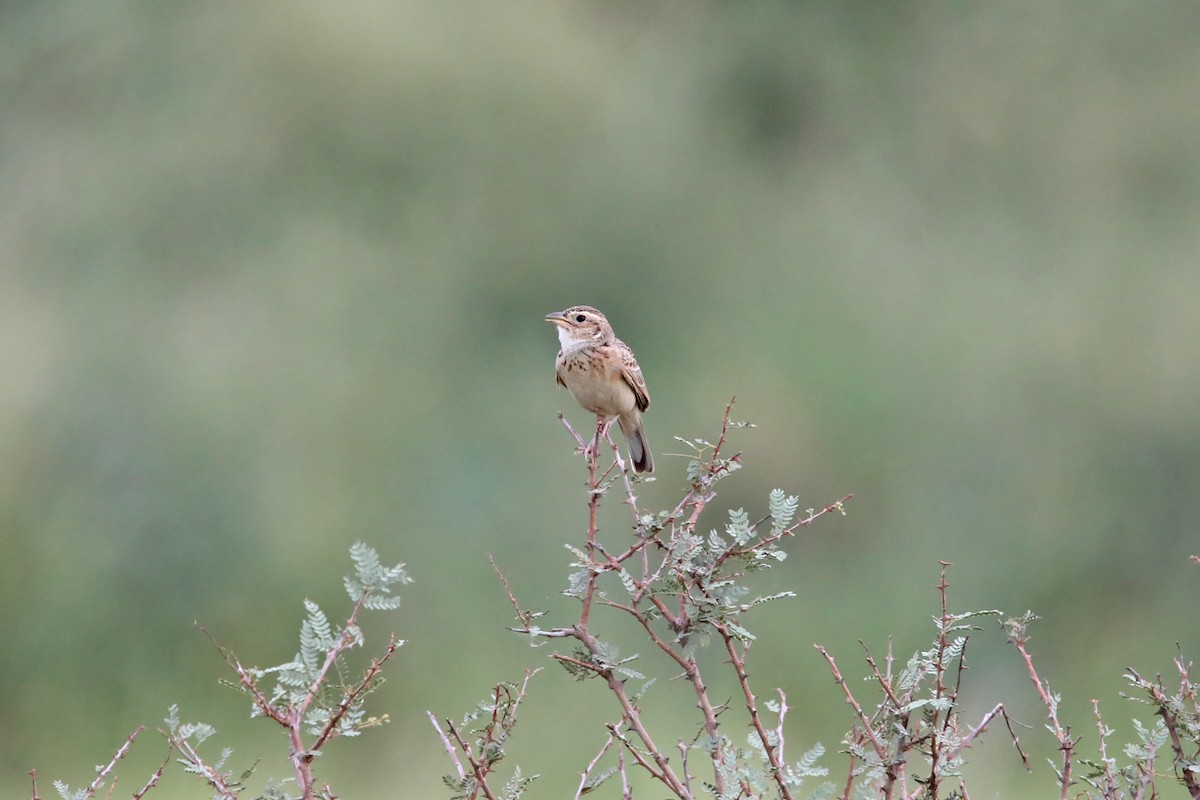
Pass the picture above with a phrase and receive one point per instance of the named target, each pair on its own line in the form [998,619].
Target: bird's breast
[595,382]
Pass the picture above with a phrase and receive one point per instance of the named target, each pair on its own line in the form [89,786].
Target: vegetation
[686,591]
[272,281]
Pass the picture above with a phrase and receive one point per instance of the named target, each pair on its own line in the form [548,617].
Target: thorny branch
[1019,637]
[482,755]
[291,716]
[662,555]
[909,718]
[1179,713]
[102,773]
[107,769]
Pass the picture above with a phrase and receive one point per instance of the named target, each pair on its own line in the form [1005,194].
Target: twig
[111,765]
[1189,777]
[567,424]
[209,773]
[245,680]
[868,729]
[884,681]
[1065,743]
[783,710]
[849,785]
[446,743]
[981,728]
[521,615]
[355,692]
[724,426]
[936,757]
[773,751]
[1111,786]
[662,769]
[583,777]
[156,776]
[478,769]
[837,505]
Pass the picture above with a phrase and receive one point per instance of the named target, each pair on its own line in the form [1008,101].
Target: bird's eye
[580,318]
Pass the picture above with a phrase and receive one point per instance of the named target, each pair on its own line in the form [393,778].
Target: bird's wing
[558,370]
[632,374]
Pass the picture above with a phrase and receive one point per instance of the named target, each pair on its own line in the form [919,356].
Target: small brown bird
[600,372]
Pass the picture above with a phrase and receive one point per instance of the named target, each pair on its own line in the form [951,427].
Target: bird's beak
[558,318]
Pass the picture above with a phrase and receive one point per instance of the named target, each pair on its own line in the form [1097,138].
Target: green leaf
[738,528]
[782,508]
[372,580]
[594,782]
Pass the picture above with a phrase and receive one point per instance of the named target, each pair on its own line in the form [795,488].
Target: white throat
[569,343]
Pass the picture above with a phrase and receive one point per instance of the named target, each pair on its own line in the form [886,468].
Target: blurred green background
[272,279]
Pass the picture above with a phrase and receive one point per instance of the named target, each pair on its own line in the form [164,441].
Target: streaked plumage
[601,373]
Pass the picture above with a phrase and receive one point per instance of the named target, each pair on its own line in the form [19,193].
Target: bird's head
[580,325]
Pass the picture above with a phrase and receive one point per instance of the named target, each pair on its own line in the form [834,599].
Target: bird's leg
[602,426]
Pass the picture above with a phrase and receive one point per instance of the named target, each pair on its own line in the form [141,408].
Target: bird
[601,373]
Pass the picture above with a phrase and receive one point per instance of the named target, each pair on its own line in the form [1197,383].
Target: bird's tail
[635,435]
